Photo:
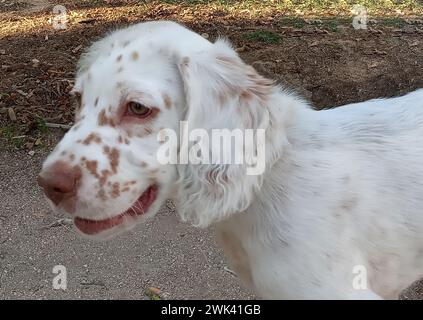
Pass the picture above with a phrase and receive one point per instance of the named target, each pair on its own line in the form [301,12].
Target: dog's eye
[138,109]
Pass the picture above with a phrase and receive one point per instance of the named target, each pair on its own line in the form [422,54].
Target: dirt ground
[323,58]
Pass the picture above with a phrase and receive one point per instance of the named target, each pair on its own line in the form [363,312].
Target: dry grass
[22,22]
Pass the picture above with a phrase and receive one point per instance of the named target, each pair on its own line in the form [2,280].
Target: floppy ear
[222,92]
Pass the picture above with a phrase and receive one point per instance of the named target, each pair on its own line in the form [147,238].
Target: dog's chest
[235,252]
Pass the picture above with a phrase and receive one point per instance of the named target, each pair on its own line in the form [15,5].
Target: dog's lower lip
[140,207]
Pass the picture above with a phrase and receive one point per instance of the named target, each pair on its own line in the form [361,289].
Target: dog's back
[348,193]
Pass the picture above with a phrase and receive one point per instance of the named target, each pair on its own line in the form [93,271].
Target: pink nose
[60,183]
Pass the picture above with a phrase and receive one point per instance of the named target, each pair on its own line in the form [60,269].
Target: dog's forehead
[145,50]
[122,69]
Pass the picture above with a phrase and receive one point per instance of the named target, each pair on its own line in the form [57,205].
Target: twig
[229,271]
[58,125]
[58,223]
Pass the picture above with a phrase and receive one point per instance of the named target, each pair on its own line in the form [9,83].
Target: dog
[337,212]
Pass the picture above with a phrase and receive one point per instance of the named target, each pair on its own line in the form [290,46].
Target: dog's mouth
[140,207]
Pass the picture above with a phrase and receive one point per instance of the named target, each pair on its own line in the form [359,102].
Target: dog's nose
[59,182]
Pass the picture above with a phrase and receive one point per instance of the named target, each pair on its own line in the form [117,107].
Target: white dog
[338,212]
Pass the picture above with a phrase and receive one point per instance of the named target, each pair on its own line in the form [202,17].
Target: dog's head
[133,86]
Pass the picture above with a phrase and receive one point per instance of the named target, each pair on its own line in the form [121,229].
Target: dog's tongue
[140,207]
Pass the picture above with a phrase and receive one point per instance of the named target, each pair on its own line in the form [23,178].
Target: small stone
[75,50]
[31,153]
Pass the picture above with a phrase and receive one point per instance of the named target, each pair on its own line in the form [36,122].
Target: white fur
[342,187]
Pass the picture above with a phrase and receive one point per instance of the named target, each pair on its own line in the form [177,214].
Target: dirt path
[36,5]
[164,253]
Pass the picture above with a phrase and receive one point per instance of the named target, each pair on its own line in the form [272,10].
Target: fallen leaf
[153,293]
[12,114]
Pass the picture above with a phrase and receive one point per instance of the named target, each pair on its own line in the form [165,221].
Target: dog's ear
[222,92]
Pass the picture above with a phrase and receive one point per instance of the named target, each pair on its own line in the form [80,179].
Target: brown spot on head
[106,149]
[167,101]
[92,167]
[135,55]
[115,190]
[104,120]
[104,176]
[102,194]
[126,189]
[113,156]
[92,137]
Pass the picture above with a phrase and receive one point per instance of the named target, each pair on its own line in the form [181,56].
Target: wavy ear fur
[221,92]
